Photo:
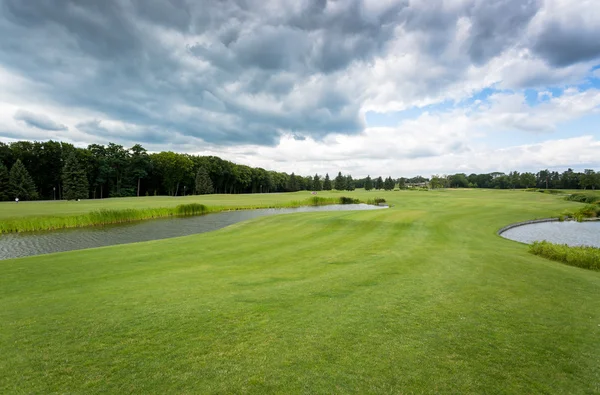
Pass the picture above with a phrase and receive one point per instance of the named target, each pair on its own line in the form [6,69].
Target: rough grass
[105,216]
[584,257]
[584,197]
[376,200]
[423,297]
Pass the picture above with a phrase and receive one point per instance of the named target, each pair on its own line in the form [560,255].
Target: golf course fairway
[423,297]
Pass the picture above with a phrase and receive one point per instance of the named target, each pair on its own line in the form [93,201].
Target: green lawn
[422,297]
[10,210]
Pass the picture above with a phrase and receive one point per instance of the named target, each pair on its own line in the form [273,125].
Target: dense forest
[56,170]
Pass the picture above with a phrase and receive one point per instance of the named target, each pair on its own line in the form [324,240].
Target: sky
[378,87]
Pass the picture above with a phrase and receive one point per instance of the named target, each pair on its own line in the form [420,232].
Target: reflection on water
[35,243]
[568,232]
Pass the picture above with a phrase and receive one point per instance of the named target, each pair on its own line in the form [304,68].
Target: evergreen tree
[368,183]
[379,183]
[349,183]
[327,183]
[74,178]
[21,184]
[340,182]
[292,184]
[402,183]
[316,184]
[204,184]
[389,184]
[4,183]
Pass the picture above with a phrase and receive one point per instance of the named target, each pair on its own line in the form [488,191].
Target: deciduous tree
[203,183]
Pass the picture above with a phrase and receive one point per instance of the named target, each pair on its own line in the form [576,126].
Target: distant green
[423,297]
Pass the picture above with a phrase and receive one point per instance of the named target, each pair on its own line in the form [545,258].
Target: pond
[17,245]
[568,232]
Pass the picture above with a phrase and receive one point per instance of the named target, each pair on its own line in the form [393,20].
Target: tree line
[544,179]
[57,170]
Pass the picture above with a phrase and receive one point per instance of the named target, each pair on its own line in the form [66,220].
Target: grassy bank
[584,257]
[422,297]
[106,216]
[584,197]
[591,208]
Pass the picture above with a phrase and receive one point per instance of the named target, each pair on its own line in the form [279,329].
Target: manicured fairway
[422,297]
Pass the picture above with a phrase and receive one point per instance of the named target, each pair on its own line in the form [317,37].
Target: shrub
[348,200]
[584,257]
[551,191]
[589,211]
[583,197]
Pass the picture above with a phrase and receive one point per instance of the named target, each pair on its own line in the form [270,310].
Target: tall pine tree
[204,185]
[350,183]
[316,184]
[74,178]
[389,184]
[368,183]
[379,183]
[340,182]
[4,183]
[21,184]
[327,183]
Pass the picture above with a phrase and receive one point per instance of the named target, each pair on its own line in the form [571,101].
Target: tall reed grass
[376,201]
[584,257]
[190,209]
[112,216]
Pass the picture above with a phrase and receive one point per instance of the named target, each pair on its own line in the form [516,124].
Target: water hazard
[35,243]
[568,232]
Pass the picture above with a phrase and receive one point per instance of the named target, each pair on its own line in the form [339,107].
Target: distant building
[417,184]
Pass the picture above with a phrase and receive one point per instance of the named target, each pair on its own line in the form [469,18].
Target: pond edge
[538,221]
[517,224]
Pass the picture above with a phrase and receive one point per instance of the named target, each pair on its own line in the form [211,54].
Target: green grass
[423,297]
[113,211]
[584,257]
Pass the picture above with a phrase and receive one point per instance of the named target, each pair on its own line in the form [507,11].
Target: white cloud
[233,80]
[444,142]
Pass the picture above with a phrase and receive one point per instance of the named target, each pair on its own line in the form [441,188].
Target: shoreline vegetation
[591,208]
[583,257]
[103,217]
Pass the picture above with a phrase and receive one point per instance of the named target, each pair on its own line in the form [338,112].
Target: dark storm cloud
[243,71]
[496,25]
[99,28]
[565,45]
[174,14]
[39,121]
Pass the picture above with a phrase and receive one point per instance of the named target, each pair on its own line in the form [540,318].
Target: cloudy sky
[378,87]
